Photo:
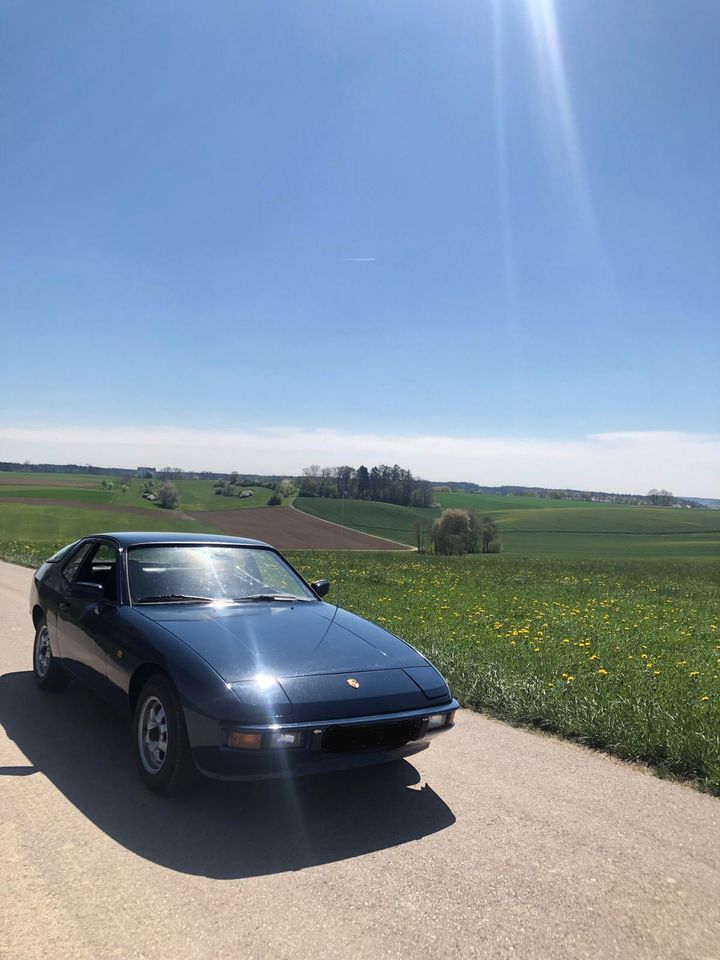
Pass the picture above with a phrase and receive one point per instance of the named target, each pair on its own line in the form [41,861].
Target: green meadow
[39,524]
[380,519]
[195,495]
[199,495]
[619,655]
[534,526]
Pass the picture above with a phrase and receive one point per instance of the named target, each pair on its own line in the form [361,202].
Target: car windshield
[204,573]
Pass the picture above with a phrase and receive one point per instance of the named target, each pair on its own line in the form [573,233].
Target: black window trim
[95,543]
[68,560]
[108,542]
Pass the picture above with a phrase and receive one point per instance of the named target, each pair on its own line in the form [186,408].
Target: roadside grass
[624,656]
[534,526]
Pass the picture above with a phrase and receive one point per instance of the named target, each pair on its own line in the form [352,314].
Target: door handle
[65,606]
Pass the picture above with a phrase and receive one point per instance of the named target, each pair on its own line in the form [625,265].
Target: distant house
[149,496]
[146,473]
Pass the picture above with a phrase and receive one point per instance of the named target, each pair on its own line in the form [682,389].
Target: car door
[86,628]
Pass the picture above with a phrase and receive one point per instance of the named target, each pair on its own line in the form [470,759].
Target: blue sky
[470,221]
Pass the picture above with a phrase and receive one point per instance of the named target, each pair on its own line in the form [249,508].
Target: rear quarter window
[62,552]
[75,562]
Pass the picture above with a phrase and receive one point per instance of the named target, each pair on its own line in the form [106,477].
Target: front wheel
[162,749]
[48,673]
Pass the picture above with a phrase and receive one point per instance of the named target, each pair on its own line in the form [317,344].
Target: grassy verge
[619,655]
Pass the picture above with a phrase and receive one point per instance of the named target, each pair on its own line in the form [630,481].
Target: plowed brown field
[289,529]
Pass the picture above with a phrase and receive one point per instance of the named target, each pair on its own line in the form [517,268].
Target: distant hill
[452,486]
[551,493]
[247,479]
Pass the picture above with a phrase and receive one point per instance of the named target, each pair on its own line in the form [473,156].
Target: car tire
[48,673]
[162,748]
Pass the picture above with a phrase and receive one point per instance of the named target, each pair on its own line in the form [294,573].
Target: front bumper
[221,762]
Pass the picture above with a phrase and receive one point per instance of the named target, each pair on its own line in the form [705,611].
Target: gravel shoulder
[495,843]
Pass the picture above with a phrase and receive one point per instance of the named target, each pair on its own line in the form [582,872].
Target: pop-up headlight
[263,699]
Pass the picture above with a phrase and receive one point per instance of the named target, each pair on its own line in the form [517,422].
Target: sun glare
[550,60]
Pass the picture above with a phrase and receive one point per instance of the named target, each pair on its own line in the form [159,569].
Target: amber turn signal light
[244,741]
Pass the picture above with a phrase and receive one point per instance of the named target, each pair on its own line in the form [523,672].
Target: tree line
[382,483]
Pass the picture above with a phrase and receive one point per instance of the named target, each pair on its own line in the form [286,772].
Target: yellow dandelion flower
[602,672]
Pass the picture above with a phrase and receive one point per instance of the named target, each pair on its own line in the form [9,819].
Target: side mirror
[320,587]
[86,591]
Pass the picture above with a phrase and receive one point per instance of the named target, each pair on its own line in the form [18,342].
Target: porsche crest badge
[352,682]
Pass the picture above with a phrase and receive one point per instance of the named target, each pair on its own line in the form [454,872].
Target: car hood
[241,642]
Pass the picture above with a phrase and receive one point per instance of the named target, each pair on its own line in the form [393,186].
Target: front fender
[204,695]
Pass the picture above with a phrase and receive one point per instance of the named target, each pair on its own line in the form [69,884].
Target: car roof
[136,538]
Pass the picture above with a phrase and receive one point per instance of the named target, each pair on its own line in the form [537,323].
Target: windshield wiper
[175,598]
[259,597]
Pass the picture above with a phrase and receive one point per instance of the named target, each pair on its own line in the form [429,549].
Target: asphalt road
[494,843]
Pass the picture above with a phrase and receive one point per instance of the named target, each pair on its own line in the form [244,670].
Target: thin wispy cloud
[621,461]
[357,259]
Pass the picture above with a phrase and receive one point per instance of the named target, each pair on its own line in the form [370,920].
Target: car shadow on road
[218,830]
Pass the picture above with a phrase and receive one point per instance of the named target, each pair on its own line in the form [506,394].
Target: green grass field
[620,655]
[35,525]
[199,495]
[380,519]
[195,495]
[534,526]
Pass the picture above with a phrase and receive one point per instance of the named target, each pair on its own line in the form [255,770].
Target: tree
[286,488]
[167,495]
[456,532]
[491,543]
[275,500]
[345,477]
[661,498]
[421,531]
[363,483]
[309,484]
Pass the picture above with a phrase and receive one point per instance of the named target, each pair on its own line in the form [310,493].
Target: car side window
[101,567]
[71,568]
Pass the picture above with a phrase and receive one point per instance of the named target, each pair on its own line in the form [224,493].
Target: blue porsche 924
[229,663]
